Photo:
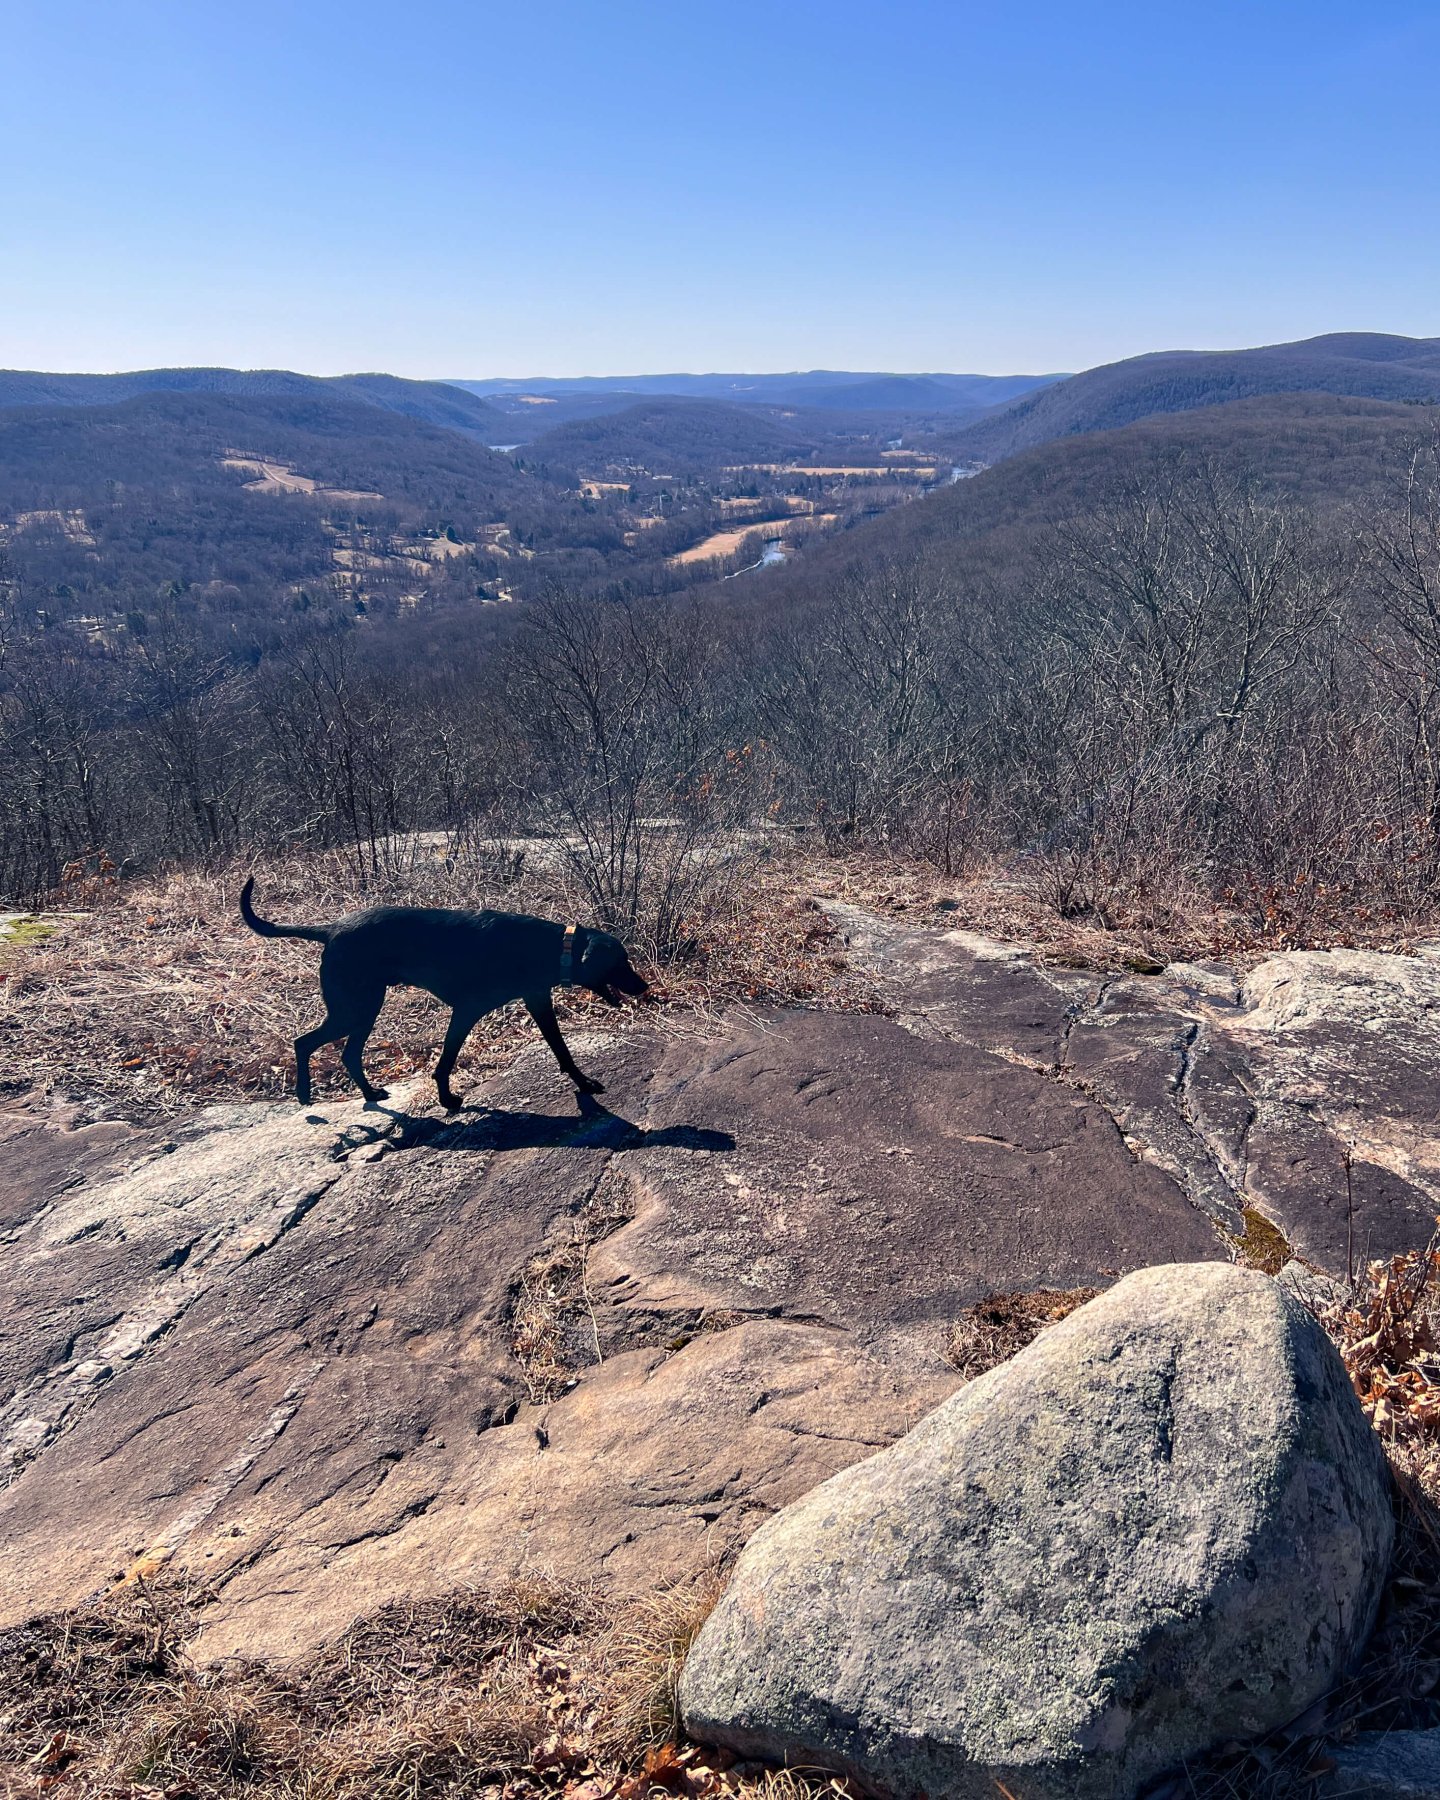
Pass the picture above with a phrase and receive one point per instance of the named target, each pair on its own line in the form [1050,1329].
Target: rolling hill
[1325,450]
[430,402]
[1363,365]
[102,508]
[665,433]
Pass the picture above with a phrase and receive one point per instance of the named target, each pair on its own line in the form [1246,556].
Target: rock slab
[1164,1524]
[1401,1765]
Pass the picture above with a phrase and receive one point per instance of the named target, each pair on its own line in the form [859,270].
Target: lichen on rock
[1164,1524]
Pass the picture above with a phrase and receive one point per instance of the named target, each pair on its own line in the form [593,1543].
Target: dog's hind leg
[326,1032]
[461,1025]
[542,1011]
[359,1023]
[355,1026]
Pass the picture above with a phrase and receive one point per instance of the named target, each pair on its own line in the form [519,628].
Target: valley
[188,553]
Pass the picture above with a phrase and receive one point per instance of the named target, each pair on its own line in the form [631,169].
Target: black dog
[473,961]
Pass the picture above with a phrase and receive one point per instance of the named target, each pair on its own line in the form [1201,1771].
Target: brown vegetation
[1001,1325]
[534,1687]
[153,995]
[1188,708]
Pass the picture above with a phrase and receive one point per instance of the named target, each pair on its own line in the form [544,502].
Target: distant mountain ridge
[431,402]
[1360,365]
[841,389]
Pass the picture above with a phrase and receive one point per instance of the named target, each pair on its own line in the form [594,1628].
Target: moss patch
[1262,1245]
[22,933]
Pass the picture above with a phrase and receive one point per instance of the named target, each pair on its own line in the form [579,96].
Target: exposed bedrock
[1307,1088]
[325,1358]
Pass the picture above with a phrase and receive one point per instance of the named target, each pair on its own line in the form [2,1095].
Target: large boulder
[1165,1523]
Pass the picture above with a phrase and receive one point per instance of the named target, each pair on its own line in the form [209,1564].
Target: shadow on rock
[594,1128]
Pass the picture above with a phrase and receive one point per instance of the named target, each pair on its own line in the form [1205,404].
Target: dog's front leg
[461,1025]
[542,1011]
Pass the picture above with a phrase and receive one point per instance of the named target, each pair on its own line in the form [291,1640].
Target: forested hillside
[1324,451]
[1358,364]
[1182,664]
[310,493]
[102,508]
[432,402]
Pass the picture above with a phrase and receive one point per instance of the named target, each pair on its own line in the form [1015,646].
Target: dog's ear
[596,954]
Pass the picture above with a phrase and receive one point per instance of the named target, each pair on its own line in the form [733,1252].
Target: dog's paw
[451,1102]
[588,1085]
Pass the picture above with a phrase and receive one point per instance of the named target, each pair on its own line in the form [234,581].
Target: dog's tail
[267,928]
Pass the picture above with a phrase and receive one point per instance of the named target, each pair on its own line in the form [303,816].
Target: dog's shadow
[595,1128]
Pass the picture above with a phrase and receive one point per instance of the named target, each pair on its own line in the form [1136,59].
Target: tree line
[1190,689]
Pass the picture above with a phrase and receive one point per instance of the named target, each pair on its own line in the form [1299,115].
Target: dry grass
[719,543]
[150,994]
[648,1646]
[1001,1325]
[551,1291]
[553,1329]
[1005,901]
[534,1688]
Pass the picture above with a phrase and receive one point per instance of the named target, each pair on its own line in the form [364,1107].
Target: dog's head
[605,969]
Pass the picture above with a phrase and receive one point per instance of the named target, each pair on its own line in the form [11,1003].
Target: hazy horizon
[701,371]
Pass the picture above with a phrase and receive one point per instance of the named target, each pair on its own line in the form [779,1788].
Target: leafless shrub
[864,697]
[633,775]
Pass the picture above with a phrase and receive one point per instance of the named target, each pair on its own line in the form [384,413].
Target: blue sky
[438,188]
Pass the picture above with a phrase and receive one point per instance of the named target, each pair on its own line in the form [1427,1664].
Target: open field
[440,549]
[71,523]
[278,478]
[755,508]
[726,542]
[856,471]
